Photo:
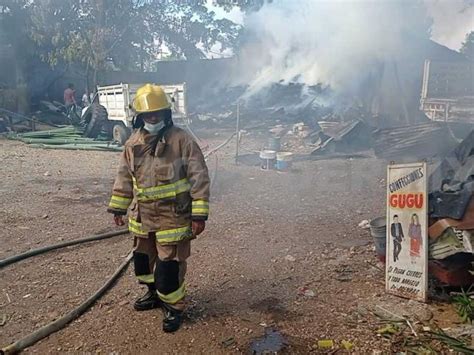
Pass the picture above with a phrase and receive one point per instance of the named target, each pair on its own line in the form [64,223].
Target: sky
[452,19]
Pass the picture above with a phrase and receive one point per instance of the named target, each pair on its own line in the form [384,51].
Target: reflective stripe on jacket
[165,184]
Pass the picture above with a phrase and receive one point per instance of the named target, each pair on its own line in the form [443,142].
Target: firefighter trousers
[162,266]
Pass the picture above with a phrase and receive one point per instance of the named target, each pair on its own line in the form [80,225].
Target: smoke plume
[452,20]
[337,43]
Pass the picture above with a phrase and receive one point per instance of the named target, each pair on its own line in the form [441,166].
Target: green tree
[467,47]
[187,28]
[14,39]
[118,34]
[13,24]
[244,5]
[87,32]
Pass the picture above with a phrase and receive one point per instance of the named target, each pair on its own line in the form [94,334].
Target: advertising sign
[407,232]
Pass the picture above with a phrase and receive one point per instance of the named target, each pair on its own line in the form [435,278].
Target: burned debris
[452,216]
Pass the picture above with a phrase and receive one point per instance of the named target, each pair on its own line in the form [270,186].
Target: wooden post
[237,135]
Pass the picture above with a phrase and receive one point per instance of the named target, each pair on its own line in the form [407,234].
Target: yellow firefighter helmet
[150,98]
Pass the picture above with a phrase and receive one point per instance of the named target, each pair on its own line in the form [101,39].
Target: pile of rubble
[451,213]
[324,137]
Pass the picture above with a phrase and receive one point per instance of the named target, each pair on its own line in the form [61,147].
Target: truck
[447,93]
[111,110]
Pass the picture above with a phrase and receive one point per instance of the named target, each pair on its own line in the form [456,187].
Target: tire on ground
[120,133]
[98,119]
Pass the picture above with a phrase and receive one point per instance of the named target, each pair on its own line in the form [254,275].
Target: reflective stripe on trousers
[174,297]
[174,235]
[166,236]
[147,279]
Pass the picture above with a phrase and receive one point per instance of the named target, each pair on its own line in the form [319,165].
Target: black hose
[220,146]
[30,253]
[60,323]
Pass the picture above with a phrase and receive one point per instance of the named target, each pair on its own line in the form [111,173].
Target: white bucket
[267,158]
[268,154]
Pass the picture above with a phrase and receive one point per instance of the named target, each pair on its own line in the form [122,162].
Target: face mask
[153,128]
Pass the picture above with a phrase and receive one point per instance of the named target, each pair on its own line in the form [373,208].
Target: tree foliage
[244,5]
[467,47]
[124,34]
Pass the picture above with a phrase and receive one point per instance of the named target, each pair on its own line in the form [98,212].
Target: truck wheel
[120,134]
[98,117]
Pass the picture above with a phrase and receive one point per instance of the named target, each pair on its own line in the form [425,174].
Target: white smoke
[452,20]
[336,43]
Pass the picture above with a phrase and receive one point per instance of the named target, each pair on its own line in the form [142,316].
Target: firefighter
[164,183]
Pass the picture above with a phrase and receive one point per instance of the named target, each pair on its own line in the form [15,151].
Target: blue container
[283,161]
[282,165]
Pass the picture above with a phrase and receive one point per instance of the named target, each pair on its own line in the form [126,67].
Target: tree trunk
[94,77]
[88,86]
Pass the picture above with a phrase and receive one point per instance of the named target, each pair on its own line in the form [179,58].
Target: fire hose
[60,323]
[30,253]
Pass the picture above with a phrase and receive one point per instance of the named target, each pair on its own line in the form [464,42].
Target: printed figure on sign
[414,233]
[407,231]
[397,235]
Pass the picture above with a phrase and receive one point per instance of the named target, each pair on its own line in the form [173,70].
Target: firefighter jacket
[165,183]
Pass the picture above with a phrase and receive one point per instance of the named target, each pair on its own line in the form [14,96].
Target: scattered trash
[306,292]
[228,342]
[344,278]
[388,329]
[347,345]
[364,224]
[271,342]
[290,258]
[325,344]
[4,320]
[344,273]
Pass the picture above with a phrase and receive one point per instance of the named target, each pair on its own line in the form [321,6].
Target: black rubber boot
[172,318]
[148,301]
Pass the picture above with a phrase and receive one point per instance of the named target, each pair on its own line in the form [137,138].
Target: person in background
[414,233]
[69,96]
[85,99]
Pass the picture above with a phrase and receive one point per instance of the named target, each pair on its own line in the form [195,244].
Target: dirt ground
[281,251]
